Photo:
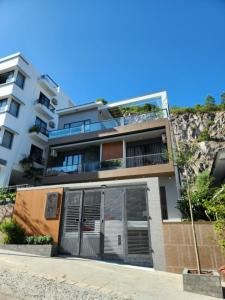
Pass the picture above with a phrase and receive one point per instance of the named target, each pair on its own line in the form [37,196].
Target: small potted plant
[34,128]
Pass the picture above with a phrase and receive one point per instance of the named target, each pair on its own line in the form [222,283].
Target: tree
[222,97]
[30,172]
[185,159]
[201,192]
[210,101]
[216,207]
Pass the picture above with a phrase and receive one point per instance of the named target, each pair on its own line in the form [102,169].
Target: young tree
[210,101]
[222,98]
[216,207]
[185,158]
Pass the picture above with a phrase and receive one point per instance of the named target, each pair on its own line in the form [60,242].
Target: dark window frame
[163,202]
[21,83]
[4,144]
[36,153]
[44,100]
[3,100]
[79,124]
[17,108]
[7,77]
[42,125]
[74,156]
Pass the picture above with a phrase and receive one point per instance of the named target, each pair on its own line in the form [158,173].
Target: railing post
[124,154]
[100,157]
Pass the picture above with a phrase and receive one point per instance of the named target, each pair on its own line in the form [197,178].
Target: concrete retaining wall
[43,250]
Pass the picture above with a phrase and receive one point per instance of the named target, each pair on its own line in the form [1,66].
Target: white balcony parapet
[49,84]
[47,112]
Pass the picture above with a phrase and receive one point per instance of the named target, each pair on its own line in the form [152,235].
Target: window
[136,210]
[70,160]
[44,100]
[81,126]
[42,126]
[14,108]
[6,77]
[73,162]
[3,104]
[36,154]
[20,80]
[7,139]
[163,203]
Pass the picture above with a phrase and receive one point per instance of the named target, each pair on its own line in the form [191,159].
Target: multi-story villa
[108,182]
[28,101]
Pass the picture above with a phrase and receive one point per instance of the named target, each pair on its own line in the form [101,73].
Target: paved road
[129,282]
[7,297]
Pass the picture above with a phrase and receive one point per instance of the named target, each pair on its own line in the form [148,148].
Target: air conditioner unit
[53,153]
[51,124]
[54,101]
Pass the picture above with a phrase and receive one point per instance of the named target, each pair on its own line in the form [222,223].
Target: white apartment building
[28,103]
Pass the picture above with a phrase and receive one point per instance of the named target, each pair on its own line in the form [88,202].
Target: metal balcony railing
[37,129]
[128,162]
[49,106]
[108,124]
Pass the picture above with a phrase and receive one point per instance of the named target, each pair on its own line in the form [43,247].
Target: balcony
[108,124]
[39,134]
[112,164]
[49,85]
[47,110]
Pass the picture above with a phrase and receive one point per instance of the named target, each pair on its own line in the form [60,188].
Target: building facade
[117,183]
[28,103]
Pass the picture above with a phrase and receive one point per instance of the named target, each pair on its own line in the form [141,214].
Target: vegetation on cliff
[209,106]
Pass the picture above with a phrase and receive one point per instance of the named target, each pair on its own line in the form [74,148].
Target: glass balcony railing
[108,124]
[128,162]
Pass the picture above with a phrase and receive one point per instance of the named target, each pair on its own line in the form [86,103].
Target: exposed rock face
[188,126]
[6,211]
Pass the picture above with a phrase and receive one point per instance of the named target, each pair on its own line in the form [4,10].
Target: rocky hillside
[191,126]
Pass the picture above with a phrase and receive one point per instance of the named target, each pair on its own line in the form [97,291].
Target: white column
[100,153]
[5,173]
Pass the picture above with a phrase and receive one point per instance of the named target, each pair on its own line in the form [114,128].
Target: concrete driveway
[122,281]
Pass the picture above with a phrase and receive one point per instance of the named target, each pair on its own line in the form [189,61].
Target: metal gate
[71,223]
[90,224]
[110,223]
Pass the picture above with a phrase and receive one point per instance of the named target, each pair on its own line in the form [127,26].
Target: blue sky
[116,49]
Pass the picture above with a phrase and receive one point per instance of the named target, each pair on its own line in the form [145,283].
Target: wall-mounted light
[164,138]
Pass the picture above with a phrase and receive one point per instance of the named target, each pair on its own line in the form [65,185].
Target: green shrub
[101,100]
[207,108]
[114,163]
[34,128]
[204,136]
[7,196]
[13,233]
[210,123]
[39,240]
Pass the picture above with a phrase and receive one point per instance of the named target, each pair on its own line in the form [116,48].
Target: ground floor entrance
[107,223]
